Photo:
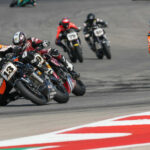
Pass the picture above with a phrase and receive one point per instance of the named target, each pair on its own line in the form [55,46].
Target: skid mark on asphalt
[138,82]
[121,132]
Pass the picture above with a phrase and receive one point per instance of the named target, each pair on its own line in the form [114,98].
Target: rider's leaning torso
[60,28]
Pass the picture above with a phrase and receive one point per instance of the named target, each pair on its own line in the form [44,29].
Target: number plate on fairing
[8,71]
[98,32]
[72,36]
[39,58]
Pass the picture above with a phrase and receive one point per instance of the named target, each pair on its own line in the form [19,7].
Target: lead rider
[64,25]
[90,22]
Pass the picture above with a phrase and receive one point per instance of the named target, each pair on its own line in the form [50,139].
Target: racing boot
[92,47]
[69,67]
[66,63]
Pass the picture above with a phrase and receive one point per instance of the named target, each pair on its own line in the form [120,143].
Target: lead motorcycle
[26,82]
[73,45]
[100,44]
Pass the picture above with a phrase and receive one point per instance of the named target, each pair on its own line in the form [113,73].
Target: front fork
[70,84]
[75,43]
[100,43]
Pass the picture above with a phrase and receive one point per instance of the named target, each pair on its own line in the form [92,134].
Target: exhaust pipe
[35,76]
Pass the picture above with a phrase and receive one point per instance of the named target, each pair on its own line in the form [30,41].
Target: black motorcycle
[100,44]
[73,45]
[26,81]
[43,67]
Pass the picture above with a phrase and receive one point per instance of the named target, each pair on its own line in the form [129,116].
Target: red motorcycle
[71,80]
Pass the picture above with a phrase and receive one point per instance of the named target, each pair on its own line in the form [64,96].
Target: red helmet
[65,22]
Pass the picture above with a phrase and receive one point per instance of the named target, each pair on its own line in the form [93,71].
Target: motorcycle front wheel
[27,93]
[99,54]
[79,89]
[62,95]
[72,56]
[98,51]
[79,53]
[107,51]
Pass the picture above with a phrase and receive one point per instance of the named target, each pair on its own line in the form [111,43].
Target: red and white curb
[121,132]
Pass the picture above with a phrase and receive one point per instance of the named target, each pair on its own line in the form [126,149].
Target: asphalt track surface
[114,87]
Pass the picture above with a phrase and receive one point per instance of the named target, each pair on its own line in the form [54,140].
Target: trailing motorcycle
[22,3]
[71,80]
[26,82]
[100,44]
[73,45]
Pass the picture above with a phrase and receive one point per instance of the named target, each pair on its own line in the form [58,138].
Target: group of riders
[65,24]
[21,44]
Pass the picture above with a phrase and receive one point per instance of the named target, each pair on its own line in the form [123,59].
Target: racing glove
[46,43]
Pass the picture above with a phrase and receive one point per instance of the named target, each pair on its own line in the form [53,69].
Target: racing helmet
[90,17]
[65,22]
[19,39]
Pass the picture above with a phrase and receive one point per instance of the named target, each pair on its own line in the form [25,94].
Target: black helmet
[90,17]
[19,39]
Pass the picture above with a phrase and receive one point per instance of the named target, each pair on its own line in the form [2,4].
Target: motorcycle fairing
[3,87]
[69,85]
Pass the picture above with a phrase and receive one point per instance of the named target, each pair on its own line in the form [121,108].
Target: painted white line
[60,138]
[39,148]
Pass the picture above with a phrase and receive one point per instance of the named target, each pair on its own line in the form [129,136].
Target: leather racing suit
[59,35]
[88,26]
